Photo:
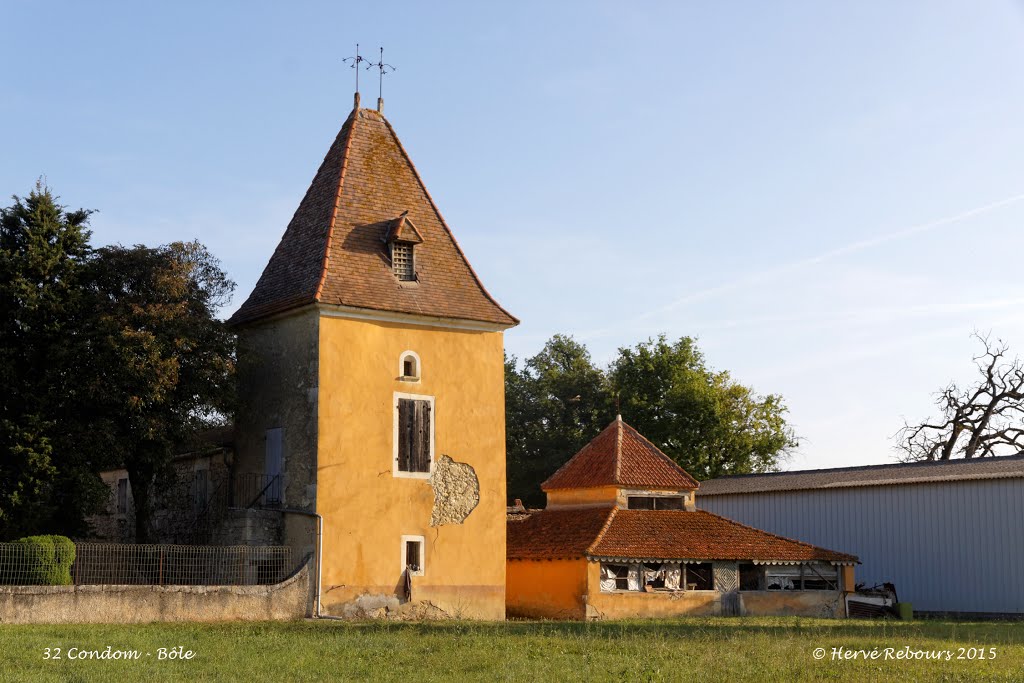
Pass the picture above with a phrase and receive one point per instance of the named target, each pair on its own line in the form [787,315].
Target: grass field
[704,649]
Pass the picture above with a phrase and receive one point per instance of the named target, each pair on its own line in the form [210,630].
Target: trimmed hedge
[41,561]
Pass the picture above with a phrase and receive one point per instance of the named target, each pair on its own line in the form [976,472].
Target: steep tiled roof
[554,534]
[1007,467]
[334,250]
[699,535]
[653,534]
[620,456]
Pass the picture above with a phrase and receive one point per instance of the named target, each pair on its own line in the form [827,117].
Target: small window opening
[621,574]
[654,503]
[820,577]
[414,556]
[812,576]
[751,577]
[402,261]
[409,369]
[700,577]
[654,576]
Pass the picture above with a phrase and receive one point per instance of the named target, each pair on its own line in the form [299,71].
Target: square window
[700,577]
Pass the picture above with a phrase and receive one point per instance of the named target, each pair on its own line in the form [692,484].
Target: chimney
[380,105]
[356,98]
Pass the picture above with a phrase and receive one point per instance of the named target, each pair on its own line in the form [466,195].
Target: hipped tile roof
[334,250]
[699,535]
[554,534]
[653,534]
[620,456]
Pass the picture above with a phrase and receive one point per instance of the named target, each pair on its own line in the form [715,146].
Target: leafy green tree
[555,404]
[43,248]
[161,363]
[704,420]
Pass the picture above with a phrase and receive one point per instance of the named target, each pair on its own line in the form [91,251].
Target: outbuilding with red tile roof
[621,537]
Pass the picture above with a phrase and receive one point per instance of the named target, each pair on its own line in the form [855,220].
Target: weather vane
[356,61]
[384,69]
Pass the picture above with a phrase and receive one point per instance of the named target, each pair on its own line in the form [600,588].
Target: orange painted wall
[366,508]
[546,589]
[600,495]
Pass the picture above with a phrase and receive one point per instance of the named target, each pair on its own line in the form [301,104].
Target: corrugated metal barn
[949,535]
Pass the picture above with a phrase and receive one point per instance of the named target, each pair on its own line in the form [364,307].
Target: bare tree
[983,419]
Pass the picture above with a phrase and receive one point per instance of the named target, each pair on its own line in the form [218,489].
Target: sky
[829,196]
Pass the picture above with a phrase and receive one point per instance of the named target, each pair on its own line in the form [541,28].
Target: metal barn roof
[1007,467]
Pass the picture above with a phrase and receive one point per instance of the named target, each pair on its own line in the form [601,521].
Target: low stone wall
[142,604]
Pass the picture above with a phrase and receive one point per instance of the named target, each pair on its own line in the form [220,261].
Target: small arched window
[409,367]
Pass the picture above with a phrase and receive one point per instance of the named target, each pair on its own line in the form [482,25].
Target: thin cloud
[772,273]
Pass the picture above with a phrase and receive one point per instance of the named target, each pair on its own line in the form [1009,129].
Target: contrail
[851,248]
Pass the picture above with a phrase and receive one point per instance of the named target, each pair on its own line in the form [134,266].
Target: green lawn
[698,649]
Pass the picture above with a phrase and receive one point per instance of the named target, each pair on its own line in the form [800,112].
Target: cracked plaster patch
[456,491]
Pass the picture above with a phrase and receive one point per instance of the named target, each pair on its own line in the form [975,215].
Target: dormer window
[402,261]
[402,237]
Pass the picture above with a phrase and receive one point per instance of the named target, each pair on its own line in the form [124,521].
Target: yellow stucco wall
[609,496]
[367,509]
[546,589]
[599,495]
[795,603]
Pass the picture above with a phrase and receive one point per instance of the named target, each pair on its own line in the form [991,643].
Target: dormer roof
[333,253]
[620,456]
[401,229]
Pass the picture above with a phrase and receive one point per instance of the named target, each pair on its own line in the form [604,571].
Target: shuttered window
[413,435]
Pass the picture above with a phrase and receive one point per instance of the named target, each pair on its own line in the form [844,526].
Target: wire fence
[156,565]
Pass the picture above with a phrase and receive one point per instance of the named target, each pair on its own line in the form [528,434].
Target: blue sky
[829,195]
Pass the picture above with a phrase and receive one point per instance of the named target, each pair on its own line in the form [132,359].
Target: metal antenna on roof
[384,69]
[356,61]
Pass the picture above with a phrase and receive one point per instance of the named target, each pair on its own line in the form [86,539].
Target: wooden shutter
[421,444]
[406,417]
[413,435]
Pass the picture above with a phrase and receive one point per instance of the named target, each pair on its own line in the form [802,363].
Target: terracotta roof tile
[620,456]
[699,535]
[554,534]
[334,250]
[653,534]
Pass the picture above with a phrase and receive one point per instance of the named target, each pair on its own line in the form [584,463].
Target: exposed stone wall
[278,381]
[277,378]
[249,527]
[142,604]
[180,498]
[456,491]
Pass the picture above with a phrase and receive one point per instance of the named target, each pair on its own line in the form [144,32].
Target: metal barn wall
[948,546]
